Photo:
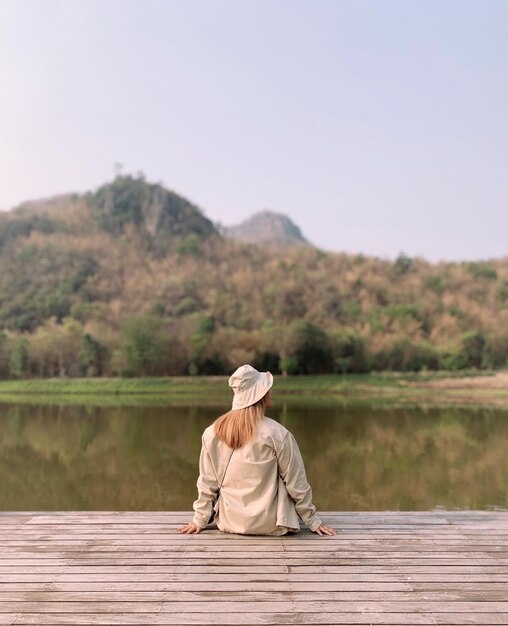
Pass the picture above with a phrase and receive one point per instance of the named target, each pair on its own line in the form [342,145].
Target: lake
[358,457]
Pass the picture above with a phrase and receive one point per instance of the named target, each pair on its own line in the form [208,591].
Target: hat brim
[243,399]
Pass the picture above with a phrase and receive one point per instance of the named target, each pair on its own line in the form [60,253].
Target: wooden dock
[134,568]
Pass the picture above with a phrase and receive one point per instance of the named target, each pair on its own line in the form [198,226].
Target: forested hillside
[132,279]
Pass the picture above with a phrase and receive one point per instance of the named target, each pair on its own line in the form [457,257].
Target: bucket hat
[249,386]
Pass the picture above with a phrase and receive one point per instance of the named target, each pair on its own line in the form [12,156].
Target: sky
[380,127]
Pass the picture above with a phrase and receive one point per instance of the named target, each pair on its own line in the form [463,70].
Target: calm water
[357,458]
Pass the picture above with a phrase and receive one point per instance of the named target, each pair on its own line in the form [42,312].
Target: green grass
[190,385]
[99,386]
[206,384]
[376,387]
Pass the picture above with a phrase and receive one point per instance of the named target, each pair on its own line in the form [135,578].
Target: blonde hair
[235,428]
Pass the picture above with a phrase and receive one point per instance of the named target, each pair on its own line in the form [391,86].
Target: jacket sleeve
[292,472]
[207,488]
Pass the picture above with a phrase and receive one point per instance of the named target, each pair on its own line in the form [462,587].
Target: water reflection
[357,458]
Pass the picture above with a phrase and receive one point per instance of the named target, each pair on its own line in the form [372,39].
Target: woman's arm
[292,472]
[207,488]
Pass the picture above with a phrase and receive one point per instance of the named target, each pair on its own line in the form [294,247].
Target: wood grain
[113,567]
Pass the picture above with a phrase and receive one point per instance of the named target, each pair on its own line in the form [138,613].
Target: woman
[256,465]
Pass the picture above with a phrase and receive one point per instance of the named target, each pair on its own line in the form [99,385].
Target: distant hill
[44,205]
[269,229]
[149,207]
[133,279]
[125,204]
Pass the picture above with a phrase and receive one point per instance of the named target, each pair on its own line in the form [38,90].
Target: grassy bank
[189,385]
[464,387]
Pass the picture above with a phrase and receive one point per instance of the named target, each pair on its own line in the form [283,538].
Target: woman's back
[264,483]
[255,465]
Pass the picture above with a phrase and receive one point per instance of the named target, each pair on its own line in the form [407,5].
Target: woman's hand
[189,528]
[325,530]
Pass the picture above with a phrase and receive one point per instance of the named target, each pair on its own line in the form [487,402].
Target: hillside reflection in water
[357,458]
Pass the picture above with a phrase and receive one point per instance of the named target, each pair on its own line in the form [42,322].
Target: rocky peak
[268,228]
[150,207]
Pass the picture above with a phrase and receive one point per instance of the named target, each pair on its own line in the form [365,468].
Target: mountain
[133,279]
[269,229]
[150,208]
[58,253]
[127,204]
[44,205]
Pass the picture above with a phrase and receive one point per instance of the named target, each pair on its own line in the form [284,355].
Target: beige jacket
[265,489]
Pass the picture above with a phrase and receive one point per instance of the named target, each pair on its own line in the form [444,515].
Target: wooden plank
[136,552]
[450,585]
[160,565]
[346,547]
[386,525]
[463,619]
[151,534]
[413,565]
[255,585]
[205,586]
[231,618]
[162,571]
[407,529]
[97,517]
[222,575]
[49,549]
[141,570]
[119,560]
[262,595]
[233,552]
[303,543]
[289,606]
[37,522]
[293,551]
[213,534]
[172,522]
[324,544]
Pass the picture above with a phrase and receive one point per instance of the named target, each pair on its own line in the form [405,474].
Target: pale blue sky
[378,126]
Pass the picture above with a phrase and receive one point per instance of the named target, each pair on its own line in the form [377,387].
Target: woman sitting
[255,464]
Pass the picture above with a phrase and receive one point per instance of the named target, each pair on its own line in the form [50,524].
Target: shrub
[482,270]
[349,352]
[435,283]
[502,293]
[475,350]
[310,346]
[402,264]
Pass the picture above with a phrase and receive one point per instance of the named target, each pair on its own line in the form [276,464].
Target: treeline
[149,346]
[133,280]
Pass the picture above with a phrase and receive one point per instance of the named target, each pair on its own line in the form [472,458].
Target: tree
[4,355]
[54,348]
[309,349]
[474,350]
[18,362]
[91,355]
[144,345]
[402,264]
[349,352]
[206,358]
